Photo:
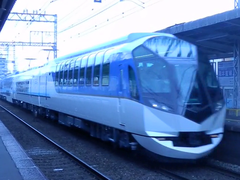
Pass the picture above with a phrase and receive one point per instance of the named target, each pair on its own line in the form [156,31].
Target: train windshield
[170,47]
[173,79]
[185,73]
[156,81]
[167,85]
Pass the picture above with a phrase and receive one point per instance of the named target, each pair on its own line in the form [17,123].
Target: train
[145,90]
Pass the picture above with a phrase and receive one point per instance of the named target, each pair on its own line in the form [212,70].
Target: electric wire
[88,18]
[109,6]
[103,24]
[82,6]
[42,9]
[72,12]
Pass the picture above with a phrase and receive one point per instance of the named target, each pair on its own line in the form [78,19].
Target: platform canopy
[216,35]
[5,8]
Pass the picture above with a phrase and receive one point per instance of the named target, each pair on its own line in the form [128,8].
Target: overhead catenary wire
[110,21]
[72,12]
[100,11]
[69,15]
[42,9]
[136,2]
[88,18]
[106,23]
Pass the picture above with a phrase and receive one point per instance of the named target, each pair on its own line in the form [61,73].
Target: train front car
[184,109]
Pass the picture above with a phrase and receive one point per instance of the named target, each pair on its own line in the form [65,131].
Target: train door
[43,85]
[121,88]
[41,92]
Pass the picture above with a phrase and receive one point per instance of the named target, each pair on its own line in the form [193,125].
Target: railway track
[172,175]
[189,173]
[210,167]
[79,161]
[223,171]
[96,173]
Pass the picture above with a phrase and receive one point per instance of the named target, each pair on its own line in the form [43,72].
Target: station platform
[232,120]
[232,125]
[14,162]
[233,114]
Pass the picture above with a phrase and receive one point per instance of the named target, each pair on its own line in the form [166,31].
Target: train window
[76,71]
[89,68]
[105,74]
[71,68]
[141,52]
[82,70]
[132,83]
[106,68]
[65,75]
[61,74]
[96,73]
[57,75]
[170,47]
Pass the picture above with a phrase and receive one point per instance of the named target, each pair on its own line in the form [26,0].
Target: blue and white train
[146,89]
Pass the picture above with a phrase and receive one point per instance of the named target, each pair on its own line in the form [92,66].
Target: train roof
[126,39]
[123,40]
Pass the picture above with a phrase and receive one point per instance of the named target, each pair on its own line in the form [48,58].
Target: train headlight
[218,106]
[160,106]
[214,135]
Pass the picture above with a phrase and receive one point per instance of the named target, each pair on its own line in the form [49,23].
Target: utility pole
[30,18]
[37,17]
[236,67]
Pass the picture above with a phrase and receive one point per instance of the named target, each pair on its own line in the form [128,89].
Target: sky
[83,23]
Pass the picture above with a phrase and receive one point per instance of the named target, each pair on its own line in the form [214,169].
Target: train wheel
[35,111]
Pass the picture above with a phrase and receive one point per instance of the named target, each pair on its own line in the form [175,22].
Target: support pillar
[236,4]
[14,59]
[55,37]
[7,57]
[236,63]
